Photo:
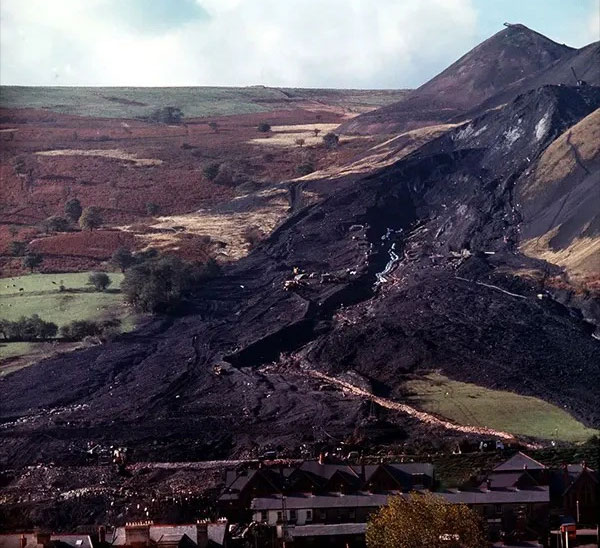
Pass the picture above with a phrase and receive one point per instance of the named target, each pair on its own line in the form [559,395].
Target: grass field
[131,102]
[41,295]
[474,405]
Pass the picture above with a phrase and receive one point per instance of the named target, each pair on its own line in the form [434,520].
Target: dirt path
[408,410]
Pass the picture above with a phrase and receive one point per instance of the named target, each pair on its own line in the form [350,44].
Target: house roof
[76,541]
[520,461]
[506,480]
[538,494]
[159,533]
[320,530]
[361,500]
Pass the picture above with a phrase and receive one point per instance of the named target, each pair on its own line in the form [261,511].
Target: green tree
[31,260]
[331,140]
[27,329]
[56,223]
[122,258]
[264,127]
[80,329]
[305,168]
[424,521]
[152,208]
[73,209]
[210,171]
[100,280]
[160,284]
[90,218]
[18,249]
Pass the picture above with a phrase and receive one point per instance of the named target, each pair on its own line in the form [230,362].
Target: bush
[18,249]
[90,218]
[160,285]
[152,208]
[55,224]
[253,235]
[305,168]
[264,127]
[27,329]
[78,330]
[214,126]
[31,260]
[73,209]
[225,175]
[300,142]
[166,115]
[122,258]
[331,140]
[210,171]
[100,280]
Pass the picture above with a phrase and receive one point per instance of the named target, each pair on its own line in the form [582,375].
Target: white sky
[309,43]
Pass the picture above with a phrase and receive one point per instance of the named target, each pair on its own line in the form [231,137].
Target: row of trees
[33,328]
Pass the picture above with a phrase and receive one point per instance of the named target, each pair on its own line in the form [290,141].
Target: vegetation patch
[60,299]
[474,405]
[116,153]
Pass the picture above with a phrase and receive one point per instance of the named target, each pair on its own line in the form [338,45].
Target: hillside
[408,273]
[510,55]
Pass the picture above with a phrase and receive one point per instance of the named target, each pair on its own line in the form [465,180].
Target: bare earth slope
[419,254]
[508,56]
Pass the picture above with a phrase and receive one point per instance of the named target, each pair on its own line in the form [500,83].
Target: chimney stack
[321,458]
[101,534]
[22,541]
[202,534]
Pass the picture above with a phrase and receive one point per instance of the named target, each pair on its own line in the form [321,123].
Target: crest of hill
[510,55]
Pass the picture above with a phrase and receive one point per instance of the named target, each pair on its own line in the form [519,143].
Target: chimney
[321,458]
[101,534]
[137,533]
[202,534]
[42,538]
[363,473]
[22,541]
[488,484]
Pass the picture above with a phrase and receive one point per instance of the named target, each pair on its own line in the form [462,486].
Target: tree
[331,140]
[305,168]
[214,126]
[73,209]
[31,260]
[424,521]
[317,131]
[18,249]
[122,258]
[80,329]
[166,115]
[210,171]
[152,208]
[100,280]
[300,142]
[264,127]
[160,284]
[56,223]
[27,329]
[90,218]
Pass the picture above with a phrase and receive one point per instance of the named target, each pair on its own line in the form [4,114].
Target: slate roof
[319,530]
[173,533]
[75,541]
[538,494]
[361,500]
[520,461]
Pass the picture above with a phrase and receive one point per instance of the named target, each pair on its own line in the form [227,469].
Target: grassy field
[133,102]
[41,295]
[477,406]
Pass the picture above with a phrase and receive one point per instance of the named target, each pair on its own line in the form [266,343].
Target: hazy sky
[304,43]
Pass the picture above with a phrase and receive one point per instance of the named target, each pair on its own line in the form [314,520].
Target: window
[309,515]
[498,508]
[279,517]
[263,515]
[293,516]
